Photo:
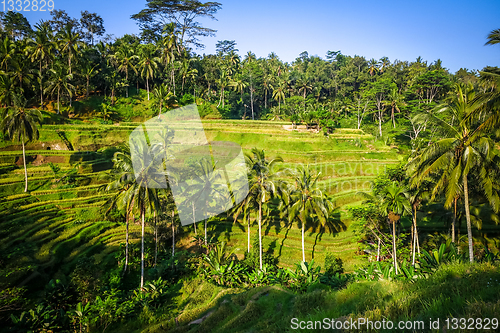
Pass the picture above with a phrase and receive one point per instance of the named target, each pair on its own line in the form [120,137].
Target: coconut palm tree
[21,124]
[306,201]
[40,49]
[144,191]
[162,97]
[493,37]
[395,203]
[463,149]
[279,94]
[8,51]
[124,59]
[59,82]
[148,64]
[9,91]
[69,41]
[263,184]
[121,180]
[204,188]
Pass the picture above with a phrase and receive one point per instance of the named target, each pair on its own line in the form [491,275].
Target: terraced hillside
[60,219]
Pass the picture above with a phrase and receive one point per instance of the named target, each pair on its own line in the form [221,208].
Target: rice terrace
[336,193]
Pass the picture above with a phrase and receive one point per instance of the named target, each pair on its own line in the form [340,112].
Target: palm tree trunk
[248,230]
[156,237]
[394,246]
[126,244]
[206,232]
[303,247]
[194,219]
[58,92]
[147,86]
[260,235]
[453,223]
[41,86]
[378,249]
[392,117]
[467,215]
[415,235]
[142,248]
[25,169]
[173,234]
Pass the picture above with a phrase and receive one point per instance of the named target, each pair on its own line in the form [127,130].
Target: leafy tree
[183,13]
[21,124]
[41,49]
[92,25]
[225,46]
[16,25]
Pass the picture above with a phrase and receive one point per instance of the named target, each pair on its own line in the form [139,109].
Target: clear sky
[453,30]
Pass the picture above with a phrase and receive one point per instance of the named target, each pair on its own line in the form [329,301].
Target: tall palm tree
[41,49]
[263,184]
[279,94]
[395,202]
[461,151]
[69,42]
[144,191]
[204,189]
[303,86]
[238,85]
[148,64]
[125,58]
[394,101]
[59,82]
[121,181]
[21,124]
[307,201]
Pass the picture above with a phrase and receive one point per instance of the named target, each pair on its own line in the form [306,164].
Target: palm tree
[148,64]
[41,48]
[395,203]
[21,124]
[8,50]
[122,179]
[262,184]
[204,188]
[124,59]
[8,90]
[239,85]
[69,41]
[307,201]
[493,37]
[303,86]
[373,66]
[88,71]
[163,98]
[59,82]
[453,158]
[144,191]
[394,101]
[279,93]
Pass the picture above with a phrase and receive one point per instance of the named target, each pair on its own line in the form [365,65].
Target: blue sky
[454,31]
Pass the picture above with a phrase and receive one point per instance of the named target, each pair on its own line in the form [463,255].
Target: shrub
[333,265]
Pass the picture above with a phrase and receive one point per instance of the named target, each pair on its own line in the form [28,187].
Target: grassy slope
[456,290]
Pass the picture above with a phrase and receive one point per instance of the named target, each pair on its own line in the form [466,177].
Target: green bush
[333,264]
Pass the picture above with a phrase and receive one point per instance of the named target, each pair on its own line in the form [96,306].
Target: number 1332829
[27,5]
